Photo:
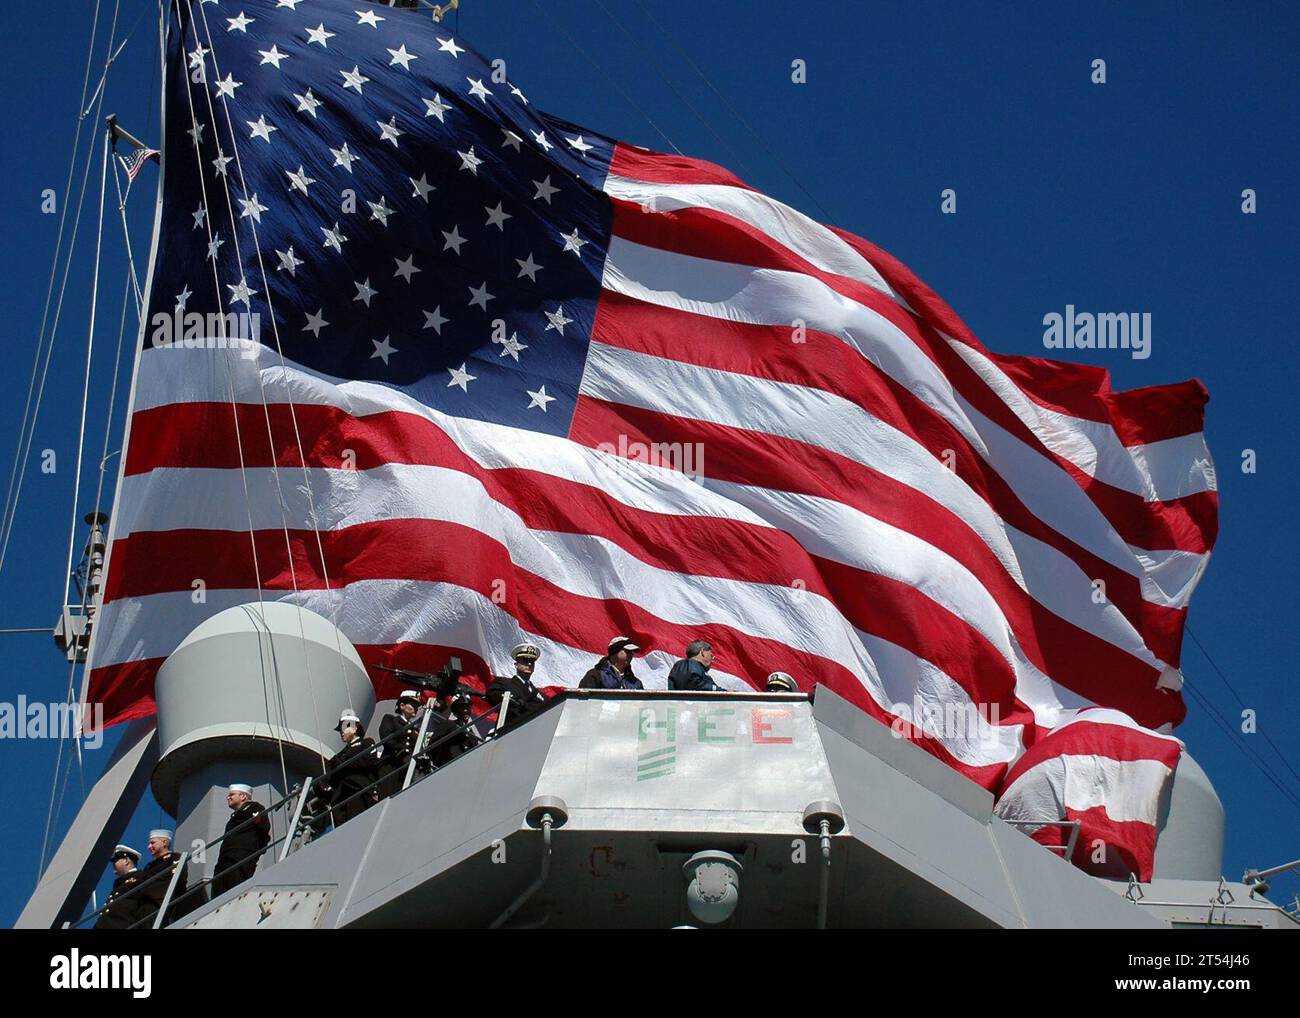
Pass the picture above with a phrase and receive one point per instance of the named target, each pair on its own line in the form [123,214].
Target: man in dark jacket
[350,771]
[156,878]
[692,673]
[525,698]
[398,733]
[248,831]
[122,909]
[614,670]
[451,732]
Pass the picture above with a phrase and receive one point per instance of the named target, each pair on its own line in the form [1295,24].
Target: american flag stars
[372,133]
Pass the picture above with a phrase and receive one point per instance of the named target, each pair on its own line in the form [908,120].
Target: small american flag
[514,381]
[134,162]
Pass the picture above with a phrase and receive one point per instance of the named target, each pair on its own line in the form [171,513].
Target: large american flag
[515,380]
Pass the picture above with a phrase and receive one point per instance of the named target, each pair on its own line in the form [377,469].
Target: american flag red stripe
[884,507]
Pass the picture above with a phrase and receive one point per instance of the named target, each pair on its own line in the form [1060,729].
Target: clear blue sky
[1119,197]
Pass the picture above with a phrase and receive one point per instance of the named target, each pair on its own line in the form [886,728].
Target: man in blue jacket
[692,673]
[614,670]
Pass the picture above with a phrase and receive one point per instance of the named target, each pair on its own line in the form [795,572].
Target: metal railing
[421,751]
[1067,850]
[132,894]
[301,819]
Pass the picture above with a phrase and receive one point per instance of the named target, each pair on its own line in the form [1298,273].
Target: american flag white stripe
[788,226]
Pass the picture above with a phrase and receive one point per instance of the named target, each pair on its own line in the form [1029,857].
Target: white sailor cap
[246,789]
[126,850]
[161,832]
[410,694]
[782,682]
[529,651]
[347,717]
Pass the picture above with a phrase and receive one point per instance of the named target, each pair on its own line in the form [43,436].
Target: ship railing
[178,905]
[170,898]
[1066,850]
[119,900]
[420,764]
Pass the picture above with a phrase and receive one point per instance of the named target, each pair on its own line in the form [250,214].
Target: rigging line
[1229,731]
[1227,725]
[1234,737]
[239,259]
[234,144]
[50,815]
[76,491]
[274,324]
[126,237]
[112,393]
[20,455]
[293,408]
[99,492]
[734,112]
[741,157]
[90,349]
[1241,703]
[216,283]
[605,74]
[103,79]
[230,380]
[86,593]
[69,696]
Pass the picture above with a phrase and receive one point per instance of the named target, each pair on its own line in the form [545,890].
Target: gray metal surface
[277,909]
[1205,904]
[928,850]
[837,714]
[1189,841]
[920,847]
[253,683]
[724,764]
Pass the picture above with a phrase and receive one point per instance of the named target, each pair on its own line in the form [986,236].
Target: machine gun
[444,683]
